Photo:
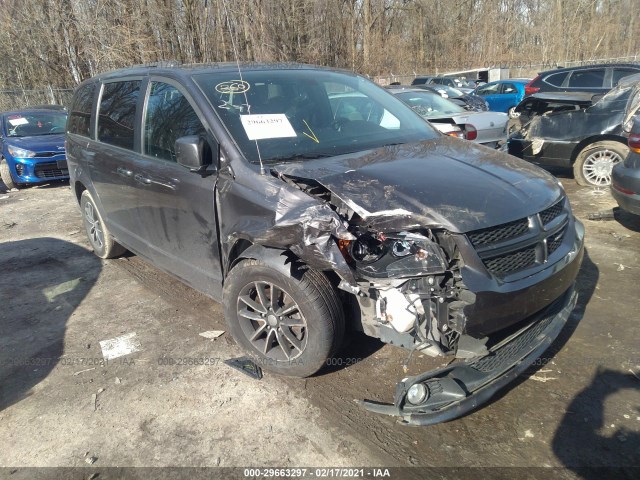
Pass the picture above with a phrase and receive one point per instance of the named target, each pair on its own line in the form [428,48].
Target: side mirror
[191,152]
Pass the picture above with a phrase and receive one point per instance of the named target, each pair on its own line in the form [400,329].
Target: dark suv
[263,188]
[587,78]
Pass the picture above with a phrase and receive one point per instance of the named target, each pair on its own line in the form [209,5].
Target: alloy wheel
[598,165]
[272,321]
[94,227]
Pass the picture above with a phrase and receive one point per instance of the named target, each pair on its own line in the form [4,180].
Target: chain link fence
[18,99]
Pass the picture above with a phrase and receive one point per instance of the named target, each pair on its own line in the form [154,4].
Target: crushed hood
[448,183]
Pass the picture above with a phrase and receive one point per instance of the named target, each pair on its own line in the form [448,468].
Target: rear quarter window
[80,115]
[117,114]
[556,79]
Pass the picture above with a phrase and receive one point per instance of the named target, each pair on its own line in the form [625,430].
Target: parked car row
[488,128]
[588,137]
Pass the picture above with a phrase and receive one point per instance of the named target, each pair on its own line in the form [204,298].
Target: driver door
[176,206]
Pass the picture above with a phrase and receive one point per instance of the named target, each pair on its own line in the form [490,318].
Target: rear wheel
[104,246]
[288,324]
[594,163]
[5,174]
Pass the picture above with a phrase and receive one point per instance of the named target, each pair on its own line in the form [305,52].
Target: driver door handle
[124,172]
[140,179]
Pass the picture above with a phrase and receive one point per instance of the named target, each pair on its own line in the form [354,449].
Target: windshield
[34,124]
[297,114]
[430,105]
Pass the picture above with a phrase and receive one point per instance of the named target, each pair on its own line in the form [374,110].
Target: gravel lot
[174,403]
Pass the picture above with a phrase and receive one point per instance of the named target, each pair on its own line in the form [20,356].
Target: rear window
[556,79]
[587,79]
[80,115]
[117,115]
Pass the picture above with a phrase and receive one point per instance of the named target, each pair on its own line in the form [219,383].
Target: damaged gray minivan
[259,187]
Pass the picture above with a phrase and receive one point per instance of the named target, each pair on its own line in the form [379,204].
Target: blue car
[32,144]
[503,95]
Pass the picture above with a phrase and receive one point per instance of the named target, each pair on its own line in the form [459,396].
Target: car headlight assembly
[20,152]
[398,255]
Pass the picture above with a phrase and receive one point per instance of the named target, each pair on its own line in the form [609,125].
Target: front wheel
[289,324]
[512,113]
[594,163]
[104,246]
[5,174]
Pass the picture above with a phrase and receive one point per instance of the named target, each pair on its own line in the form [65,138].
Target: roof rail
[160,64]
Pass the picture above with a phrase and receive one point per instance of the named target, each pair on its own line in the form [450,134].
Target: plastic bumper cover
[461,387]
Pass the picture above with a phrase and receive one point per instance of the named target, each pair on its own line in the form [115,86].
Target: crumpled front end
[455,390]
[436,280]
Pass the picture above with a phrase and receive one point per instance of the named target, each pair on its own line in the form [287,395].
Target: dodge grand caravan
[250,185]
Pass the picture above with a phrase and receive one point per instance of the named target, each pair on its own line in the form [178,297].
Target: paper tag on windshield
[260,127]
[18,121]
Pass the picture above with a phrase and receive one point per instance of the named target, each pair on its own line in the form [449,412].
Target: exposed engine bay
[409,291]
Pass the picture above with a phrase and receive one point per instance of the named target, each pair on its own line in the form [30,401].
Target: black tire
[318,308]
[616,151]
[512,113]
[104,246]
[5,174]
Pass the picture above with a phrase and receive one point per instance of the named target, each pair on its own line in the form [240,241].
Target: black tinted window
[620,73]
[118,113]
[556,79]
[587,78]
[169,117]
[80,115]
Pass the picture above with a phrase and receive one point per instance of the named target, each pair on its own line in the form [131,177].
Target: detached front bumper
[461,387]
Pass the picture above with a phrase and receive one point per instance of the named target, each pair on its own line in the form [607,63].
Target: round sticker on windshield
[233,86]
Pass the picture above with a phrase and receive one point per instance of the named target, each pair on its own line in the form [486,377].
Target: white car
[487,128]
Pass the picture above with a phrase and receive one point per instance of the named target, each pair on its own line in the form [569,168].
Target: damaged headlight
[395,256]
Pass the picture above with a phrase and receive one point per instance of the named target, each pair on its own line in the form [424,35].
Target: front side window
[169,116]
[117,114]
[489,89]
[80,114]
[620,73]
[278,115]
[587,79]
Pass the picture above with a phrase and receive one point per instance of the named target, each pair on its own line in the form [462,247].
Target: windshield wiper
[299,156]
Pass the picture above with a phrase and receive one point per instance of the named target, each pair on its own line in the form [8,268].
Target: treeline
[62,42]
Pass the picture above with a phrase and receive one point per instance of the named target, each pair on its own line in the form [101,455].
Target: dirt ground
[174,403]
